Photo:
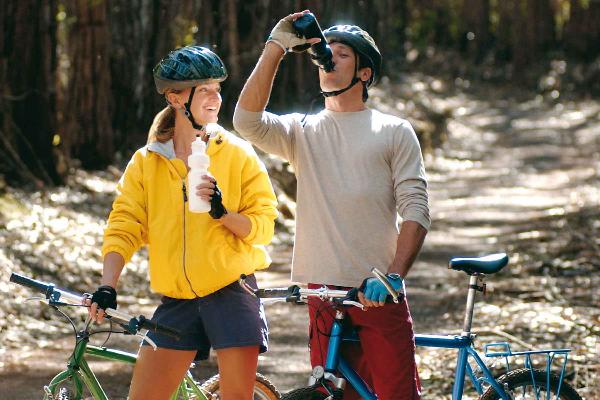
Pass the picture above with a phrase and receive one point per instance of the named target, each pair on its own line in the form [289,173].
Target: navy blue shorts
[229,317]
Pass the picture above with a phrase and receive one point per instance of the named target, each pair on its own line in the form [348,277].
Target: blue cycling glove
[374,290]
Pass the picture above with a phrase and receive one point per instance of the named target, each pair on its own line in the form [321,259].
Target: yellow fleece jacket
[192,254]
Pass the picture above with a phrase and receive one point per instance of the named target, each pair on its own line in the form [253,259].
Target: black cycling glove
[217,210]
[106,297]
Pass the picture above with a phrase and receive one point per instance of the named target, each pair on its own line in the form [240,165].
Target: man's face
[345,60]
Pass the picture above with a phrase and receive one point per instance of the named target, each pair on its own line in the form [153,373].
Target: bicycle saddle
[479,265]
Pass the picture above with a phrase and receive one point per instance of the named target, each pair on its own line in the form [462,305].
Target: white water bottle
[198,162]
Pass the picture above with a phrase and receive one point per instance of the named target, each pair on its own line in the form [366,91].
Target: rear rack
[502,349]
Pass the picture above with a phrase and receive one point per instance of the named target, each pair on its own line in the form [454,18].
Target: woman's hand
[104,297]
[209,191]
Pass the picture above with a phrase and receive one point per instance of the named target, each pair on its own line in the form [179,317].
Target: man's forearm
[408,245]
[257,90]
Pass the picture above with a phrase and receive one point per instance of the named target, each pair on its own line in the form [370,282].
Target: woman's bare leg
[237,370]
[157,374]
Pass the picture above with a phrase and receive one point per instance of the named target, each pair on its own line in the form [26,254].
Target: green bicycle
[78,381]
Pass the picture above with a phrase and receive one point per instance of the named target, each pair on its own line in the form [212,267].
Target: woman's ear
[174,99]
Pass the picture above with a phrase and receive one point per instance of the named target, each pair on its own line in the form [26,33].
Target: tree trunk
[539,28]
[233,48]
[503,48]
[141,35]
[475,33]
[28,91]
[582,31]
[521,47]
[88,101]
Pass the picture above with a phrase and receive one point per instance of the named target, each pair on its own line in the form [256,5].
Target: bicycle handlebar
[158,328]
[31,283]
[54,294]
[296,294]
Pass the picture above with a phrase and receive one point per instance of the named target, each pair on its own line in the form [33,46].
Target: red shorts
[387,363]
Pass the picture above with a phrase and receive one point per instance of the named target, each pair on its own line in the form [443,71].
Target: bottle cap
[198,145]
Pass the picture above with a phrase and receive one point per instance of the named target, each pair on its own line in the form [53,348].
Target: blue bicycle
[528,382]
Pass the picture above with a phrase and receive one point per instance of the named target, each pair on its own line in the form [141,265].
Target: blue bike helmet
[188,67]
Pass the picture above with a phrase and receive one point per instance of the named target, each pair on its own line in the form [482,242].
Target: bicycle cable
[110,331]
[319,310]
[55,307]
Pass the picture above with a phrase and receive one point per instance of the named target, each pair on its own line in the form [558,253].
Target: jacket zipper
[185,199]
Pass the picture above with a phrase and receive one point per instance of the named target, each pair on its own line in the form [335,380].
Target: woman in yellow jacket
[195,258]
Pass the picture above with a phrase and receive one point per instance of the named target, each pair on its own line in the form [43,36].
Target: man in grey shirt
[357,171]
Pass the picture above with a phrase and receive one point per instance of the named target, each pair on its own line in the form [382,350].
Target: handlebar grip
[274,293]
[31,283]
[353,295]
[158,328]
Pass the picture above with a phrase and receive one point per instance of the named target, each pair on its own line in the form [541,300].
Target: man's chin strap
[355,80]
[188,111]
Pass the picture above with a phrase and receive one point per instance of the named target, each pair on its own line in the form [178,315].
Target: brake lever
[353,303]
[383,279]
[147,339]
[245,286]
[37,298]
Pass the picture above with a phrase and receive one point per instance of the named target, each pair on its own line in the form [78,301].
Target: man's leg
[388,345]
[321,316]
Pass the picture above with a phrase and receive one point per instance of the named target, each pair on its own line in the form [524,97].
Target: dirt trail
[508,159]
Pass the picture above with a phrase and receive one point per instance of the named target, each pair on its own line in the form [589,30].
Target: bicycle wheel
[263,388]
[311,393]
[519,384]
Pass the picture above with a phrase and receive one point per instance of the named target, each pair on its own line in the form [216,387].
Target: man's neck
[349,101]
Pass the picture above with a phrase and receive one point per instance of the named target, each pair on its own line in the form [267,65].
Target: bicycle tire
[263,388]
[521,379]
[311,393]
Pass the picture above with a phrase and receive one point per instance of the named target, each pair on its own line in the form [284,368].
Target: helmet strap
[338,92]
[188,111]
[354,81]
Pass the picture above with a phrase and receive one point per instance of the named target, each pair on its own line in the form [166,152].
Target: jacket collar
[217,139]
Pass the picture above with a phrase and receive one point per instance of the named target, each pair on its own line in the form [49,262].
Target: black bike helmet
[361,42]
[187,67]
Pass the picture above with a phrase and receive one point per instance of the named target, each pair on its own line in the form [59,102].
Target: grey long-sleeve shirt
[356,172]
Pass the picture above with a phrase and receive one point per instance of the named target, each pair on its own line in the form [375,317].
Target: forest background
[76,75]
[504,96]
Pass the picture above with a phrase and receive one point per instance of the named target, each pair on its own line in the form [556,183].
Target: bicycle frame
[80,374]
[463,343]
[335,362]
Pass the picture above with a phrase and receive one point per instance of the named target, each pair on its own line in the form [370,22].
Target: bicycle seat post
[476,283]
